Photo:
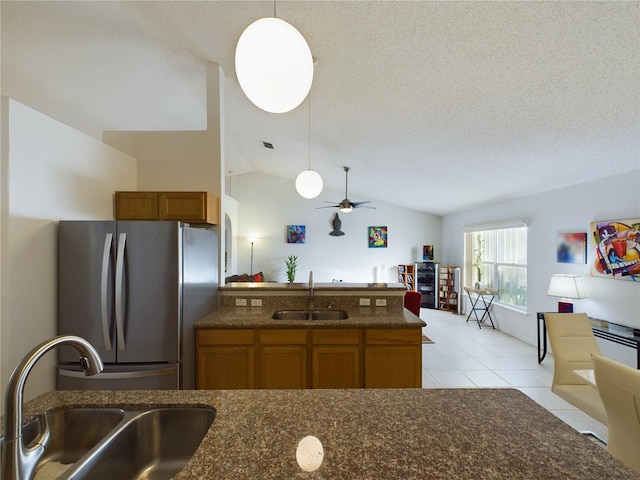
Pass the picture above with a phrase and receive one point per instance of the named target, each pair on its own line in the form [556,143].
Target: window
[497,259]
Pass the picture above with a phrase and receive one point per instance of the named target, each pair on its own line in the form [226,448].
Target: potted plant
[477,261]
[291,264]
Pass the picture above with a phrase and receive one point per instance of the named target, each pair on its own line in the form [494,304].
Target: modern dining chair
[572,343]
[412,302]
[619,388]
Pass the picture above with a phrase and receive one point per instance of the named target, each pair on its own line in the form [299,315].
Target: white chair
[572,343]
[619,388]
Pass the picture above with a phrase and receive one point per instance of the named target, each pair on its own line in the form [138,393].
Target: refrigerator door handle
[104,288]
[119,293]
[118,375]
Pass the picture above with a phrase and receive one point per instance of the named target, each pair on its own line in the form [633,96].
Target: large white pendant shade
[274,65]
[309,184]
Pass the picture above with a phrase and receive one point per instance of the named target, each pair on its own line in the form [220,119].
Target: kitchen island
[378,345]
[408,434]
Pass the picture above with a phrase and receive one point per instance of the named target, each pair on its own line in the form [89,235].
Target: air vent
[268,145]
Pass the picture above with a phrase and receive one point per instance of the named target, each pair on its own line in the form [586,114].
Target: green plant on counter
[477,262]
[292,265]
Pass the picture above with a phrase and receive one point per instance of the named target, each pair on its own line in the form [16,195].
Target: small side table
[487,296]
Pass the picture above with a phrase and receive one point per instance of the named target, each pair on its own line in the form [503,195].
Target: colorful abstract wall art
[572,248]
[616,246]
[427,253]
[377,237]
[296,233]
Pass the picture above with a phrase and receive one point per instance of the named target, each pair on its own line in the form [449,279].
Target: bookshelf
[407,275]
[448,294]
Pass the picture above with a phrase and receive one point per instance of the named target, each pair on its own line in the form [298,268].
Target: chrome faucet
[311,306]
[18,461]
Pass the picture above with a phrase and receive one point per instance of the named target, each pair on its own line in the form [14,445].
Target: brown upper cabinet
[191,207]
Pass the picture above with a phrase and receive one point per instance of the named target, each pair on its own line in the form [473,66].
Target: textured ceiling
[437,106]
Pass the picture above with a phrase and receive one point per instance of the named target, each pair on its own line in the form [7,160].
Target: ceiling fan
[347,205]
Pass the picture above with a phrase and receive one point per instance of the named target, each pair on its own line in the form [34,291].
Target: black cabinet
[427,283]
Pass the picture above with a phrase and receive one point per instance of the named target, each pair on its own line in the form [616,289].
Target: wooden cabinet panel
[393,367]
[136,206]
[393,336]
[190,207]
[225,359]
[283,366]
[283,358]
[336,366]
[225,367]
[336,336]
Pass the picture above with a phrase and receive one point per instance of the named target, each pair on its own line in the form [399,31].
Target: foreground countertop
[373,434]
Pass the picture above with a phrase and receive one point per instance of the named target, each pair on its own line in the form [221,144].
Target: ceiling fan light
[346,209]
[309,184]
[274,65]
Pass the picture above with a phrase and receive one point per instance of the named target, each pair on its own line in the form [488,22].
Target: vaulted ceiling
[436,106]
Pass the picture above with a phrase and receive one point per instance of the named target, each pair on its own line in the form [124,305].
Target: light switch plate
[256,302]
[381,302]
[365,302]
[241,302]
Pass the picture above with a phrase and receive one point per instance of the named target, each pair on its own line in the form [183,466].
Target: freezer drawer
[120,377]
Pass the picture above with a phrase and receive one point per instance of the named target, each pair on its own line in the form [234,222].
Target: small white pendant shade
[274,65]
[309,184]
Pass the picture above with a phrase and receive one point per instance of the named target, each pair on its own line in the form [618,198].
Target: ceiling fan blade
[329,206]
[337,203]
[364,206]
[360,203]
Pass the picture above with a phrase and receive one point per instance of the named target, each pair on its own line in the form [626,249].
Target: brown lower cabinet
[309,358]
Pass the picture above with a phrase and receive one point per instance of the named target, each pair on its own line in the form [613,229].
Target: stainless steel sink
[123,444]
[155,444]
[313,315]
[73,433]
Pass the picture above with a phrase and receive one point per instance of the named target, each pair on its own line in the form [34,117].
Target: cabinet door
[282,361]
[225,367]
[136,205]
[393,358]
[336,366]
[336,358]
[393,366]
[225,359]
[184,206]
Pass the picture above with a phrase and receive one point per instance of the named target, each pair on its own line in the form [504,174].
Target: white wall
[566,210]
[54,172]
[267,204]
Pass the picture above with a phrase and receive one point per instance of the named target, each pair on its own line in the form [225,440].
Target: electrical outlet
[365,302]
[256,302]
[381,302]
[241,302]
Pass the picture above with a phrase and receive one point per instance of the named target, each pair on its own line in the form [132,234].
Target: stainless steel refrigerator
[133,289]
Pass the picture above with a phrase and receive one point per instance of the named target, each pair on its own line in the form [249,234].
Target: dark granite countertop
[260,317]
[373,434]
[333,286]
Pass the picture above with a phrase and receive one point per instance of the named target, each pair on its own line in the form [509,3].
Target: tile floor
[464,356]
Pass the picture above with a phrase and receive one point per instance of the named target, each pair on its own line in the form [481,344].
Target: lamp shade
[274,65]
[309,183]
[566,286]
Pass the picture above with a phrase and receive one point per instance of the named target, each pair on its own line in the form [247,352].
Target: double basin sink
[116,443]
[310,315]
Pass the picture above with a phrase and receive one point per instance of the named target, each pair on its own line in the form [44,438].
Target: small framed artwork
[572,248]
[427,253]
[296,233]
[377,237]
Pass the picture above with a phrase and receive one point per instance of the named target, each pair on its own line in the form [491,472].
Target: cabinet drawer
[393,336]
[283,337]
[337,336]
[225,337]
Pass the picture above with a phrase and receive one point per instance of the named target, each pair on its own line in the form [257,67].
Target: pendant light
[309,182]
[274,65]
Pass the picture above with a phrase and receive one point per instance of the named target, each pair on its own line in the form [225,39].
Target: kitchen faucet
[18,461]
[311,306]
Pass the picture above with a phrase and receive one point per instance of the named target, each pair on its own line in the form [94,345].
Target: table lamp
[566,287]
